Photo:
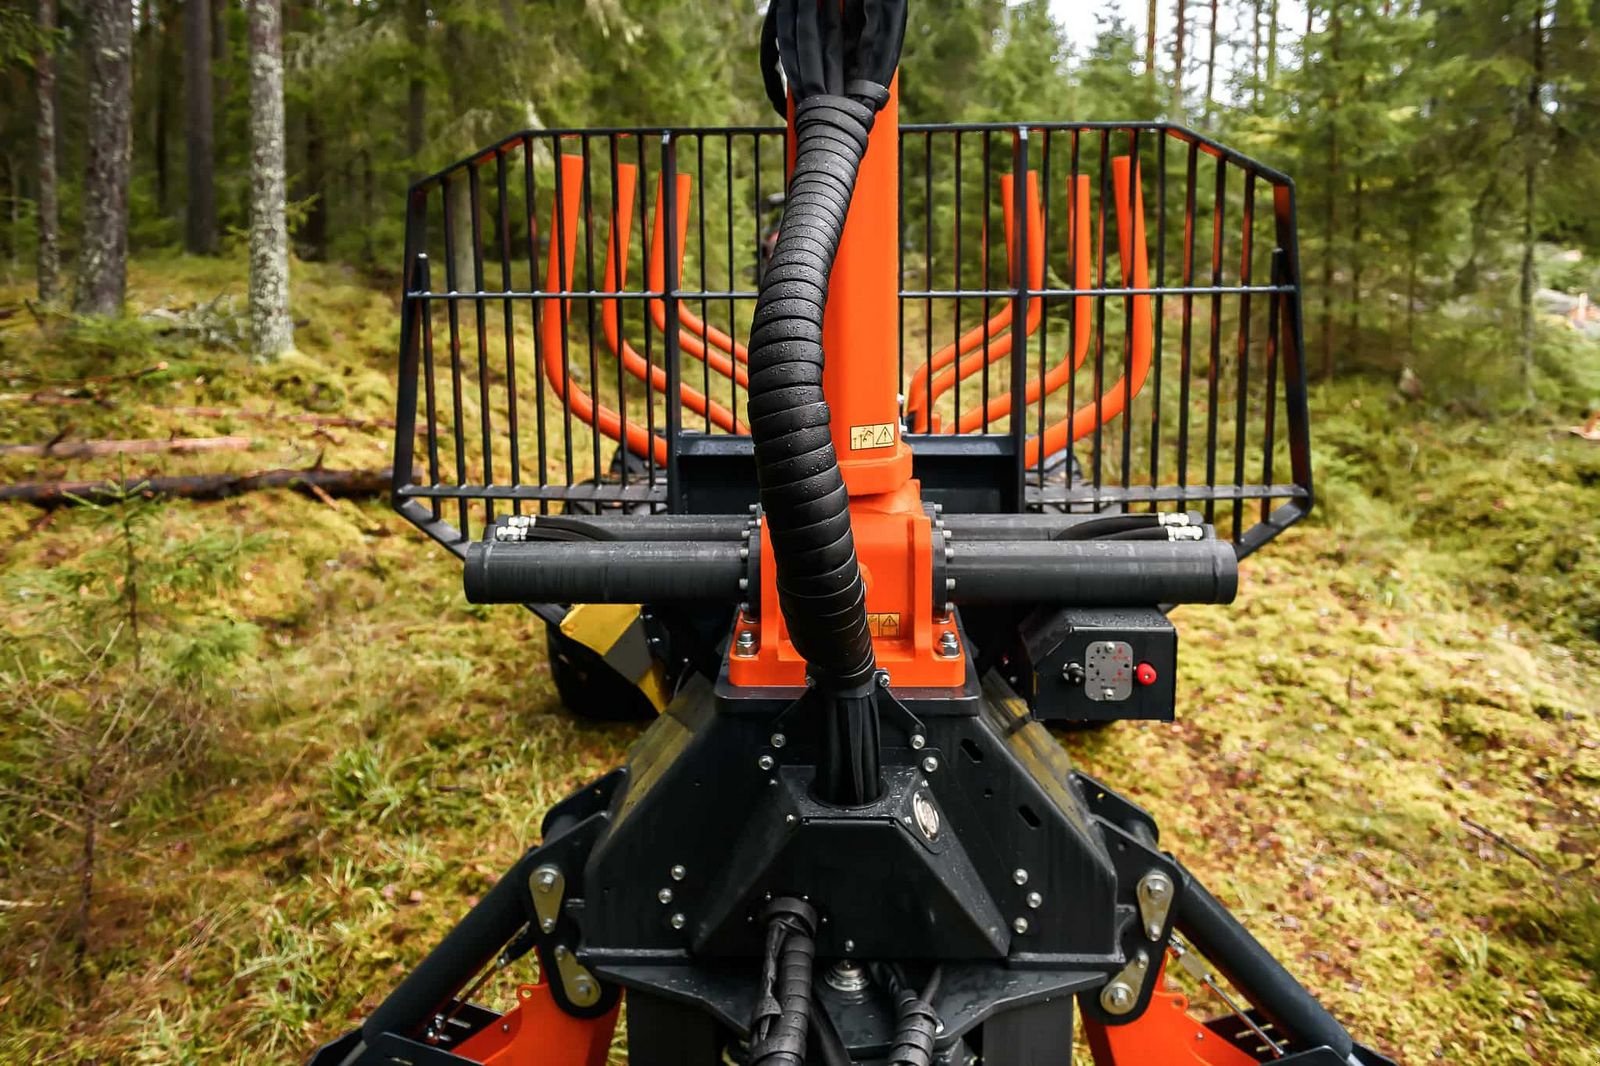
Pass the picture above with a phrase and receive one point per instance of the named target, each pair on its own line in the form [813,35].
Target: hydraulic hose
[837,65]
[782,1012]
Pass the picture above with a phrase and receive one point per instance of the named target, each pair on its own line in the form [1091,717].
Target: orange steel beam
[919,402]
[537,1032]
[1135,274]
[614,278]
[1078,219]
[552,320]
[697,331]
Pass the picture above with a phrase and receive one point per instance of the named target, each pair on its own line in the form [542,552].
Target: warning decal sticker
[877,435]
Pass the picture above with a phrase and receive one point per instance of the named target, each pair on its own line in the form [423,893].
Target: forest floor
[1386,758]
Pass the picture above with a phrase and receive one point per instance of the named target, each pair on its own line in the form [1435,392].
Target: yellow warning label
[877,435]
[885,624]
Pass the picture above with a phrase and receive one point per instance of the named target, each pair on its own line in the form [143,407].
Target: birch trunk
[103,255]
[271,330]
[49,205]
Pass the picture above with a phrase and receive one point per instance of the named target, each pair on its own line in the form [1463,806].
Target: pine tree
[200,232]
[103,250]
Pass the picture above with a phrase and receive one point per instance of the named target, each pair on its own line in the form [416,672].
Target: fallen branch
[338,421]
[1479,829]
[348,484]
[83,449]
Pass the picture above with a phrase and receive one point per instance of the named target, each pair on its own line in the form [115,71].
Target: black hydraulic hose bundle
[782,1014]
[838,65]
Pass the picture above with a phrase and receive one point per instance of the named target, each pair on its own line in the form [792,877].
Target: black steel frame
[1213,428]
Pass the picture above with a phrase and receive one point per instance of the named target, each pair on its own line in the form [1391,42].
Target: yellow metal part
[615,632]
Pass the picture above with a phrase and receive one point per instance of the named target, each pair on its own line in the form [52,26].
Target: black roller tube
[1093,573]
[648,526]
[603,572]
[1239,957]
[1043,526]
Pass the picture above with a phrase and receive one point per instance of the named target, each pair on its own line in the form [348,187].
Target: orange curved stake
[615,277]
[1114,399]
[1078,222]
[691,340]
[563,256]
[918,396]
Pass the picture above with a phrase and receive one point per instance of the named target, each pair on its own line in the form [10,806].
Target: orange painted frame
[537,1032]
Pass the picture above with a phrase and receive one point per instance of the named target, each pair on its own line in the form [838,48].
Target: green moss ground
[1421,659]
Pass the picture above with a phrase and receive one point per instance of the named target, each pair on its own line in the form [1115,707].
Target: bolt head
[918,742]
[883,679]
[1119,997]
[1020,876]
[548,925]
[1034,900]
[790,819]
[678,921]
[930,764]
[678,872]
[849,945]
[1020,925]
[779,740]
[766,762]
[665,895]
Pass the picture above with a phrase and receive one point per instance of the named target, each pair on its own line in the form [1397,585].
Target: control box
[1100,664]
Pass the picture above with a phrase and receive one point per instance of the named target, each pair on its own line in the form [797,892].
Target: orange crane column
[861,325]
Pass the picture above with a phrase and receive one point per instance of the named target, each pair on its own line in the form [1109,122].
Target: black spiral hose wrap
[782,1015]
[802,491]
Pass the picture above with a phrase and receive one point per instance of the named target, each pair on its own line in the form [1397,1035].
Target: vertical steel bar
[1219,200]
[480,313]
[669,340]
[1242,401]
[1191,179]
[1270,417]
[503,219]
[1105,202]
[1157,353]
[1077,225]
[587,208]
[1134,176]
[984,237]
[562,308]
[733,325]
[454,316]
[653,473]
[1044,311]
[537,309]
[425,280]
[1019,312]
[955,325]
[700,227]
[614,245]
[1293,344]
[927,274]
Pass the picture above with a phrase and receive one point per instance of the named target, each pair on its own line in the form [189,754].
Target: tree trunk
[1330,219]
[1255,53]
[220,49]
[200,231]
[271,330]
[1150,45]
[1272,41]
[417,88]
[103,257]
[1532,151]
[1211,64]
[1177,62]
[316,227]
[49,206]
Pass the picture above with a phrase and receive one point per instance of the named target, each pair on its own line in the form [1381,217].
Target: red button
[1146,674]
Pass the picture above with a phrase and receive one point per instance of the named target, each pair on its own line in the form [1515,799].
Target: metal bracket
[581,986]
[1155,893]
[547,885]
[1121,993]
